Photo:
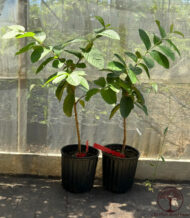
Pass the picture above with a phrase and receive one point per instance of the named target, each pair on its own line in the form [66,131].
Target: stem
[77,127]
[124,136]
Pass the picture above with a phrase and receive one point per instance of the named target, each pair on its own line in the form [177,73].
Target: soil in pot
[119,173]
[78,172]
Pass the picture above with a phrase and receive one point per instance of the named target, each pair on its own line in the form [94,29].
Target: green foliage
[144,37]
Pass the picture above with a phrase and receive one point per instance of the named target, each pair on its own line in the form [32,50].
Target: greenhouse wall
[32,120]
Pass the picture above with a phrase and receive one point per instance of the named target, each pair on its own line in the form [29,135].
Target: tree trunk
[77,127]
[124,136]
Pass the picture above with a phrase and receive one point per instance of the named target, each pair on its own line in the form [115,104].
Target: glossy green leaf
[57,63]
[157,40]
[179,33]
[114,110]
[60,89]
[100,82]
[110,34]
[167,51]
[160,58]
[74,79]
[173,46]
[82,103]
[101,20]
[40,36]
[84,83]
[62,75]
[27,34]
[68,104]
[95,58]
[145,38]
[145,69]
[132,56]
[43,64]
[140,98]
[161,29]
[148,61]
[50,78]
[81,65]
[17,28]
[120,59]
[115,66]
[25,48]
[138,54]
[36,54]
[136,70]
[126,106]
[142,107]
[132,76]
[108,95]
[91,93]
[76,53]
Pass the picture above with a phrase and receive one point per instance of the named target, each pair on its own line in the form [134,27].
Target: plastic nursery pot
[119,173]
[78,172]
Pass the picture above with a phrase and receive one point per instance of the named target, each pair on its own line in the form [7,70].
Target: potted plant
[120,87]
[78,161]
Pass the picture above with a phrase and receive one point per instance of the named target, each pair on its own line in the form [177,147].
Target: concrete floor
[27,197]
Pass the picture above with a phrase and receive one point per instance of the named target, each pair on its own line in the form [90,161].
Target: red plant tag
[81,154]
[108,150]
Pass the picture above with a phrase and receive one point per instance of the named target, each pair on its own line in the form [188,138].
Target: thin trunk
[124,136]
[77,127]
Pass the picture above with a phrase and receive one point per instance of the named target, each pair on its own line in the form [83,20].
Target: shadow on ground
[22,197]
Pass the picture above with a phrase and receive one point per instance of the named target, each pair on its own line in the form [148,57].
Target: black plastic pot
[78,172]
[119,173]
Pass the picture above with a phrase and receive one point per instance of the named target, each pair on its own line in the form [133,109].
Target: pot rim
[79,158]
[125,158]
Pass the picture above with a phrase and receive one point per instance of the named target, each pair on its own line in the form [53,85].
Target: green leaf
[81,65]
[136,70]
[145,38]
[68,104]
[27,34]
[17,28]
[95,58]
[60,89]
[167,51]
[120,59]
[84,83]
[40,36]
[114,87]
[90,93]
[173,46]
[10,34]
[57,63]
[100,82]
[43,64]
[108,95]
[155,87]
[160,58]
[140,98]
[110,34]
[132,76]
[60,77]
[25,48]
[58,49]
[115,66]
[82,103]
[165,130]
[132,56]
[146,69]
[125,86]
[162,158]
[101,20]
[36,54]
[126,106]
[74,79]
[161,29]
[99,30]
[73,52]
[148,61]
[114,110]
[171,28]
[157,40]
[138,54]
[50,78]
[142,107]
[179,33]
